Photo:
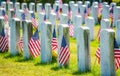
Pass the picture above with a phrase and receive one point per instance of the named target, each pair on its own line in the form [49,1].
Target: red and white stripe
[34,47]
[54,44]
[3,43]
[34,22]
[64,55]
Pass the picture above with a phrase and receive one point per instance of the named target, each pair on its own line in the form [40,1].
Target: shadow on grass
[56,68]
[24,60]
[12,56]
[80,73]
[49,63]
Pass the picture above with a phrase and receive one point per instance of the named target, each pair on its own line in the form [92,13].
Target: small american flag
[3,41]
[34,22]
[116,54]
[64,54]
[23,16]
[70,28]
[25,9]
[54,41]
[99,8]
[5,16]
[34,45]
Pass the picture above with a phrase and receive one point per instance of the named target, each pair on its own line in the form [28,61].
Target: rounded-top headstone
[39,7]
[63,19]
[105,23]
[65,8]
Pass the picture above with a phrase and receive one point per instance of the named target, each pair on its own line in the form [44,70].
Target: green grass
[16,65]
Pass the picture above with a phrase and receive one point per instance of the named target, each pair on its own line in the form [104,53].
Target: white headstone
[89,22]
[39,7]
[46,38]
[71,3]
[65,8]
[82,11]
[104,3]
[83,49]
[17,8]
[107,62]
[105,12]
[78,22]
[63,19]
[29,15]
[26,34]
[52,19]
[118,32]
[105,24]
[74,11]
[11,14]
[47,10]
[63,30]
[87,3]
[3,4]
[32,7]
[95,13]
[14,36]
[10,5]
[40,20]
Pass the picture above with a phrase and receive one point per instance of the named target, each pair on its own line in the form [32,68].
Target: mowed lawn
[17,66]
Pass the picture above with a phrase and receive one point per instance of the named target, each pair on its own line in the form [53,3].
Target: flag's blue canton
[78,10]
[33,15]
[85,11]
[69,22]
[57,8]
[44,17]
[54,33]
[115,44]
[63,42]
[35,36]
[3,12]
[3,32]
[23,16]
[42,7]
[25,6]
[88,6]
